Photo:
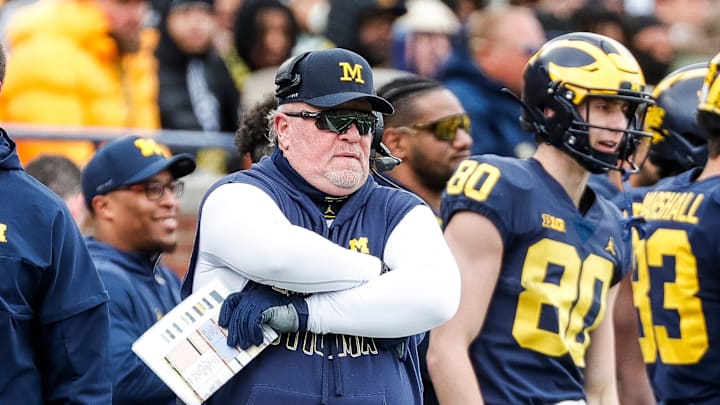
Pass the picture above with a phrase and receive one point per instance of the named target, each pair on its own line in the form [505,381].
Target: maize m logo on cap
[149,147]
[351,73]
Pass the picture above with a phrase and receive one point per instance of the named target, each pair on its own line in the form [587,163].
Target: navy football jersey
[629,200]
[677,290]
[602,185]
[557,267]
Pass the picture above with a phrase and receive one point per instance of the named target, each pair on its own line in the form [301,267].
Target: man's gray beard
[344,178]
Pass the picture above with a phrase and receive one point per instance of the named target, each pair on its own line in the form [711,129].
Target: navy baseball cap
[130,160]
[328,78]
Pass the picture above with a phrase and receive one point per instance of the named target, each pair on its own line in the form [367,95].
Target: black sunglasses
[339,121]
[445,129]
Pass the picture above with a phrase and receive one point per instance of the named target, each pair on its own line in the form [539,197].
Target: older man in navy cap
[347,271]
[131,188]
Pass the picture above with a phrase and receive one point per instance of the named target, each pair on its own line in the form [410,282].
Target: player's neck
[711,169]
[564,169]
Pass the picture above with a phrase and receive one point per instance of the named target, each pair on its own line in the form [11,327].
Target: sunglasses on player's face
[445,129]
[339,121]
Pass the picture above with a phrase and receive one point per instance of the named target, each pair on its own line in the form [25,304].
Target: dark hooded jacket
[141,291]
[53,305]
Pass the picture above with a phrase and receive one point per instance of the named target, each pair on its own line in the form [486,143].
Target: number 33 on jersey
[677,288]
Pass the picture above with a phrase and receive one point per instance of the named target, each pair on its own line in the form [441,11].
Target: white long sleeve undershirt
[244,235]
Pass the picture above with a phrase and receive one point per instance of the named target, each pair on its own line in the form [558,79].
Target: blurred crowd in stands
[198,65]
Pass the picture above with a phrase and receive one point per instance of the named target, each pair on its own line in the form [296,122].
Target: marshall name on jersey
[677,288]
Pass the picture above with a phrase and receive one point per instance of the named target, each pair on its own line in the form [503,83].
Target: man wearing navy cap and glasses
[346,270]
[131,189]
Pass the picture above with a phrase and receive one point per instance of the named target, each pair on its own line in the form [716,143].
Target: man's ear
[102,206]
[282,128]
[396,140]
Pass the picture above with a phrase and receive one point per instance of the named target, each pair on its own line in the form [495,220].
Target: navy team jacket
[305,368]
[141,292]
[53,305]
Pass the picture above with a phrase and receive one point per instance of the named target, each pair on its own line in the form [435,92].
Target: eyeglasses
[445,129]
[155,190]
[339,121]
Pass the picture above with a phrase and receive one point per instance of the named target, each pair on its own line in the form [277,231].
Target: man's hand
[244,312]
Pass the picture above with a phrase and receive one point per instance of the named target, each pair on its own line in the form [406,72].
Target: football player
[677,289]
[539,252]
[678,145]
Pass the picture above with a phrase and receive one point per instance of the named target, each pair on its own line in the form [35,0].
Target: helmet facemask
[566,129]
[558,82]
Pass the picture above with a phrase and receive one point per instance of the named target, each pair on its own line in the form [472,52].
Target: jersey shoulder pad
[490,185]
[513,173]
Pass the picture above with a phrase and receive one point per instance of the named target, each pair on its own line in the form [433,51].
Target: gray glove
[282,319]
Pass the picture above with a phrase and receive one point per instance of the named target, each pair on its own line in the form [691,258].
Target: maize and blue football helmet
[565,72]
[678,143]
[709,108]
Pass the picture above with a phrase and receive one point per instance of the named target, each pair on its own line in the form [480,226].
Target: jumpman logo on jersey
[329,213]
[611,247]
[333,206]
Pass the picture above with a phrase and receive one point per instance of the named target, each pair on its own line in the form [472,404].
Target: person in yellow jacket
[80,63]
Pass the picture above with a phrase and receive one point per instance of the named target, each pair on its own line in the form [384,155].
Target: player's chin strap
[631,221]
